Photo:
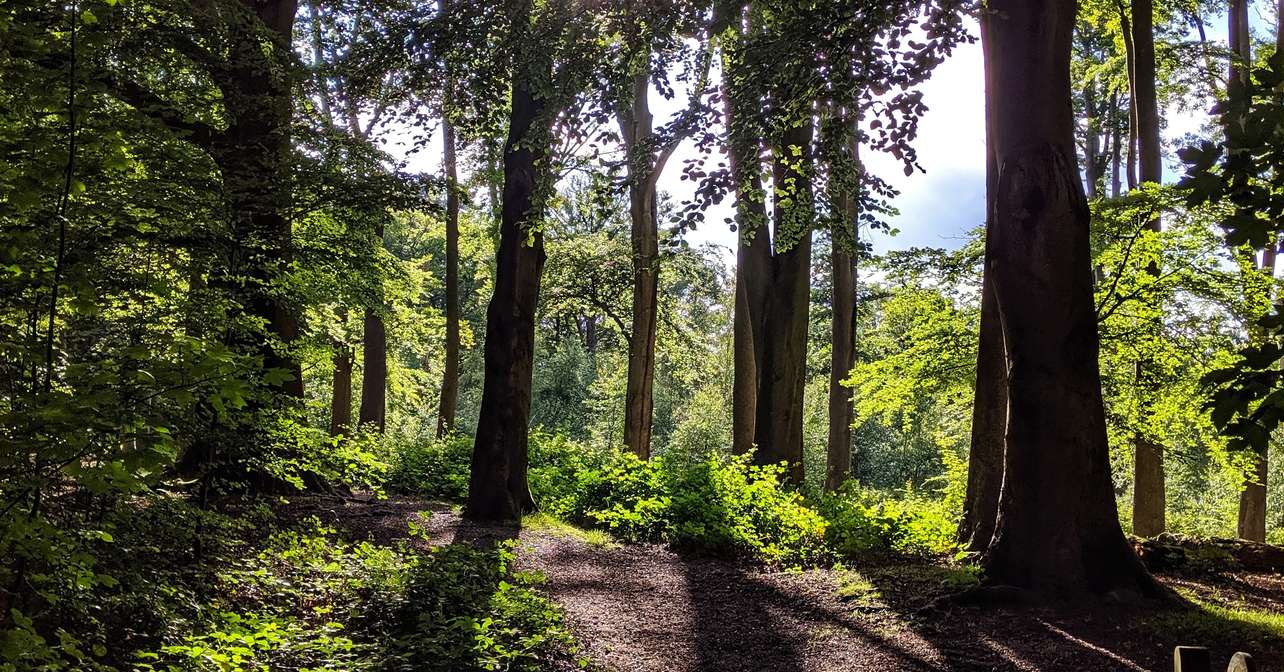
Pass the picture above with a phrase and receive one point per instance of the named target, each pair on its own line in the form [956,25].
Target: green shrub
[560,469]
[436,469]
[625,496]
[714,504]
[310,602]
[465,609]
[709,502]
[863,522]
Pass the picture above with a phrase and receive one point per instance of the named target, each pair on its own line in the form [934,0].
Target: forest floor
[647,608]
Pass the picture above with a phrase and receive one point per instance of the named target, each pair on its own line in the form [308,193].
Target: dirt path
[645,608]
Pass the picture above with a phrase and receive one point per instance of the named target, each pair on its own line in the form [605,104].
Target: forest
[393,335]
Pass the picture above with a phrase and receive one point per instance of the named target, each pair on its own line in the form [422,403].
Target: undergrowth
[709,503]
[263,596]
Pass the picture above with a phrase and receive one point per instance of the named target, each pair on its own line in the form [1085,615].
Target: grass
[545,523]
[1228,623]
[858,590]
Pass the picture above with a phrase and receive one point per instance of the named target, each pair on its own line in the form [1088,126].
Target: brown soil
[646,608]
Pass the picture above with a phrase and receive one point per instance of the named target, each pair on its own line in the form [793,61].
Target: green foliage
[311,602]
[436,468]
[1241,174]
[463,608]
[705,503]
[861,522]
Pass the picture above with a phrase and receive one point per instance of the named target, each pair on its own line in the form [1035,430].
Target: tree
[990,401]
[1148,455]
[450,370]
[1251,521]
[341,385]
[753,243]
[648,33]
[497,487]
[844,252]
[552,51]
[1057,529]
[780,61]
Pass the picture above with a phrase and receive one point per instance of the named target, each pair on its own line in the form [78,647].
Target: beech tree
[844,227]
[651,35]
[1148,455]
[990,396]
[1057,529]
[450,370]
[775,58]
[552,51]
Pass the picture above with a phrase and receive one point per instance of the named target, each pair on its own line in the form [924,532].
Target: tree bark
[498,488]
[782,371]
[842,263]
[990,401]
[341,394]
[1148,463]
[753,252]
[636,126]
[450,375]
[1130,64]
[1251,524]
[1057,530]
[1092,141]
[252,154]
[374,372]
[1115,150]
[1240,43]
[1251,520]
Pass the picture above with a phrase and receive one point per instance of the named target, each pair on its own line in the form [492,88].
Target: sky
[937,207]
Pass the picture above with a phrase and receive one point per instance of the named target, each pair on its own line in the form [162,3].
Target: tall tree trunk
[341,388]
[842,263]
[1148,464]
[450,376]
[753,246]
[1251,521]
[990,400]
[1115,150]
[374,372]
[753,264]
[1092,141]
[989,422]
[1240,42]
[636,126]
[1130,59]
[1057,530]
[252,154]
[497,488]
[374,336]
[341,395]
[783,367]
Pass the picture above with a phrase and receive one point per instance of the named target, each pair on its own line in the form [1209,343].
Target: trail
[646,608]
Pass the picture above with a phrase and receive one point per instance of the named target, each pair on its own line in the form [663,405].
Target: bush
[465,609]
[436,469]
[863,522]
[710,503]
[560,469]
[725,505]
[713,504]
[311,601]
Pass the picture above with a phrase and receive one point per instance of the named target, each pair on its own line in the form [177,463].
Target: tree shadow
[751,619]
[1095,633]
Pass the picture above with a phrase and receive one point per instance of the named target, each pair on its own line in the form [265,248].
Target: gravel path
[645,608]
